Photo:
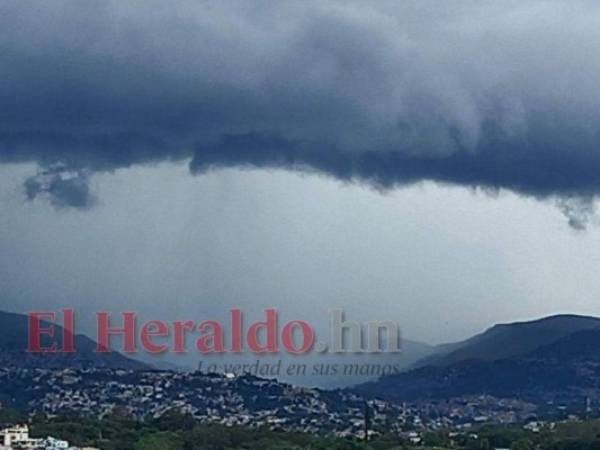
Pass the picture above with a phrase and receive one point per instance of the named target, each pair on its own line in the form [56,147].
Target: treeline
[583,435]
[176,431]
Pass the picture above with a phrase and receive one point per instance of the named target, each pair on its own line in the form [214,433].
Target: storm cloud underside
[493,95]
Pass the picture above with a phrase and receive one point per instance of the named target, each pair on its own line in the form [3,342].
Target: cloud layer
[497,95]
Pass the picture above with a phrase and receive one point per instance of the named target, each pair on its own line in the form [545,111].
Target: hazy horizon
[445,262]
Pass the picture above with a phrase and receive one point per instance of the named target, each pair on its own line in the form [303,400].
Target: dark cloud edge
[542,170]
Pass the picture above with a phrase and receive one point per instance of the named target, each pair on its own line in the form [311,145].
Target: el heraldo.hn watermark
[52,332]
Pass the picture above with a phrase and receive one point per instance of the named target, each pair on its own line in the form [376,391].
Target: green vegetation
[175,431]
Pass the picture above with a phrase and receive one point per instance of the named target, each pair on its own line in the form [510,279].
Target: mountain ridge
[506,340]
[13,349]
[564,368]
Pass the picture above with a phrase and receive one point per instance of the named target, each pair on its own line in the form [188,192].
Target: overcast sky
[436,163]
[444,262]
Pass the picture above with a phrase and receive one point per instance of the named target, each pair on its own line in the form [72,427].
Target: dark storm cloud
[64,188]
[502,96]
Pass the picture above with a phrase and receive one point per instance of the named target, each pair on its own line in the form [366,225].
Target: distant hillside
[13,350]
[510,340]
[411,352]
[349,367]
[566,370]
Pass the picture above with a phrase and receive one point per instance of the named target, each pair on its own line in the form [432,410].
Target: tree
[162,440]
[10,416]
[522,444]
[174,420]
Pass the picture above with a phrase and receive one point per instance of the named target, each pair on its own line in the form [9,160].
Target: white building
[18,437]
[14,435]
[51,443]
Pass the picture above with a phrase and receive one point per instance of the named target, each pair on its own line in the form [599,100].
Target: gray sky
[432,162]
[444,262]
